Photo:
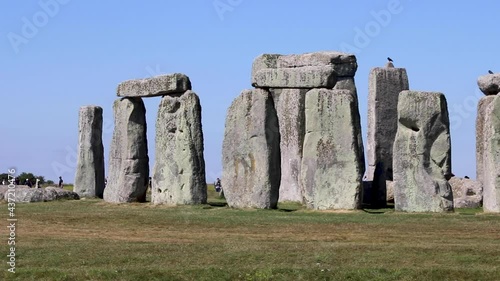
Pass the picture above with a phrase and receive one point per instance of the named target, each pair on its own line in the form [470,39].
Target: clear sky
[58,55]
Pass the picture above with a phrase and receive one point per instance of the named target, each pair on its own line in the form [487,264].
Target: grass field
[93,240]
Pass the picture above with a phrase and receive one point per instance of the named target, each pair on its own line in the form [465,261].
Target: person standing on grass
[218,185]
[60,182]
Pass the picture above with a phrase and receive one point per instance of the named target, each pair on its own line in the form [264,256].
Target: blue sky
[58,55]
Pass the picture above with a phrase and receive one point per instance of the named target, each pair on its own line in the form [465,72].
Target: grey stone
[491,158]
[384,87]
[331,161]
[128,171]
[179,171]
[89,178]
[489,84]
[467,193]
[310,70]
[422,154]
[301,77]
[347,83]
[24,194]
[482,106]
[251,152]
[290,106]
[176,83]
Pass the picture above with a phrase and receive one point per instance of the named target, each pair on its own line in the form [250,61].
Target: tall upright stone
[422,154]
[491,157]
[89,178]
[332,165]
[482,107]
[251,152]
[290,108]
[385,84]
[179,170]
[128,171]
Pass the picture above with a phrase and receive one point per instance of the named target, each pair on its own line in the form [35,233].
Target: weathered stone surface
[179,171]
[251,152]
[301,77]
[422,154]
[89,178]
[24,194]
[467,193]
[491,158]
[482,107]
[347,83]
[310,70]
[176,83]
[128,171]
[331,163]
[384,87]
[489,84]
[290,107]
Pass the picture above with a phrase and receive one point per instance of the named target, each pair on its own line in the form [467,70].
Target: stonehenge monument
[179,173]
[488,141]
[422,154]
[179,170]
[128,170]
[331,162]
[278,122]
[296,136]
[251,152]
[385,84]
[89,178]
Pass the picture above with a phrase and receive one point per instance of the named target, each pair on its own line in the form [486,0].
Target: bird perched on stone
[389,63]
[490,72]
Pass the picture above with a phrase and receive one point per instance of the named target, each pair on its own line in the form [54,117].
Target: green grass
[94,240]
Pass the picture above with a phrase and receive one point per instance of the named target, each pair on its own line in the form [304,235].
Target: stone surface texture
[290,107]
[310,70]
[332,162]
[179,171]
[482,107]
[128,171]
[89,178]
[384,87]
[467,193]
[491,158]
[162,85]
[251,152]
[489,84]
[25,194]
[422,154]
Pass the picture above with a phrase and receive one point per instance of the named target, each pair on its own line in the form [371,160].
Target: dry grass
[93,240]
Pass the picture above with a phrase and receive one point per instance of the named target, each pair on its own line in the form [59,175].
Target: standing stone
[128,171]
[482,107]
[422,154]
[179,171]
[251,152]
[385,84]
[491,158]
[290,106]
[332,162]
[89,178]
